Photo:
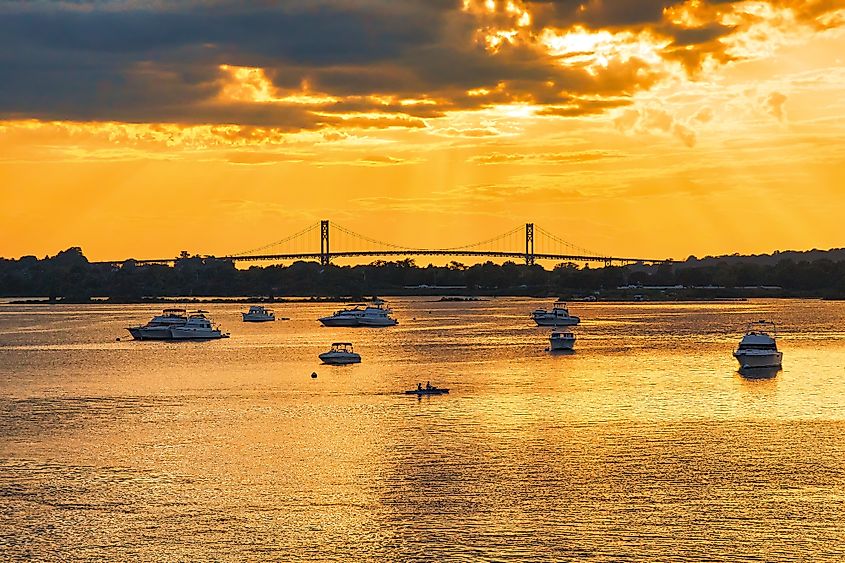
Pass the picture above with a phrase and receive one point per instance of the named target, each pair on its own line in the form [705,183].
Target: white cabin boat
[198,327]
[158,328]
[258,314]
[758,348]
[341,353]
[343,317]
[561,340]
[558,316]
[374,315]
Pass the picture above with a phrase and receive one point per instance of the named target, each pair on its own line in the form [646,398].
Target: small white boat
[561,340]
[258,314]
[558,316]
[340,354]
[427,390]
[158,328]
[375,315]
[758,348]
[197,327]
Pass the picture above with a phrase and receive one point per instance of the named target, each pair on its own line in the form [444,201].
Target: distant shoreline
[442,299]
[188,300]
[69,277]
[616,295]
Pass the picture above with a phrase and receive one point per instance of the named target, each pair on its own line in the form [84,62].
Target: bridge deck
[608,260]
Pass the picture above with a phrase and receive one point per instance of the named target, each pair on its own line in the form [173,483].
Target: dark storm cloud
[116,61]
[598,13]
[695,36]
[603,13]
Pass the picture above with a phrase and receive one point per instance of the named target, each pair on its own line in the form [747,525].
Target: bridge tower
[325,256]
[529,244]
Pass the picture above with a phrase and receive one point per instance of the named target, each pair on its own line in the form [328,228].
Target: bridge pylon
[529,244]
[325,255]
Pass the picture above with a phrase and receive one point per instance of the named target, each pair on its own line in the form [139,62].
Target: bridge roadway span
[607,260]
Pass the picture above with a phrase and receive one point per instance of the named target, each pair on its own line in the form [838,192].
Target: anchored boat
[427,390]
[561,340]
[557,316]
[341,353]
[758,348]
[158,328]
[258,314]
[197,327]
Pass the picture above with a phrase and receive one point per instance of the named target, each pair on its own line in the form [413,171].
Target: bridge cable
[372,240]
[567,244]
[487,241]
[276,243]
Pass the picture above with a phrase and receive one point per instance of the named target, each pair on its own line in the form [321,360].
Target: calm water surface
[643,445]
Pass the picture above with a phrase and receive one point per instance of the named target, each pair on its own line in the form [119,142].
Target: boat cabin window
[770,346]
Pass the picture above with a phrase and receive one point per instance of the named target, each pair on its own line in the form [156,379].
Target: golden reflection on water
[644,444]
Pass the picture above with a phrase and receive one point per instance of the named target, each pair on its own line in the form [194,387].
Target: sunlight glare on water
[645,444]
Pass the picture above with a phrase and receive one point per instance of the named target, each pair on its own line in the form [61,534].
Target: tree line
[70,276]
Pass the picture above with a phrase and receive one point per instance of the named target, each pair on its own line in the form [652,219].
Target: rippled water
[643,445]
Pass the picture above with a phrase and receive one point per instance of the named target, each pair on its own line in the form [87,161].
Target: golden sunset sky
[646,128]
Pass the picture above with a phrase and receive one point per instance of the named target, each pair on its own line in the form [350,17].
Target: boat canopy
[761,327]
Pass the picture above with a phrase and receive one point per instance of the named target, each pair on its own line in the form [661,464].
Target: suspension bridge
[529,244]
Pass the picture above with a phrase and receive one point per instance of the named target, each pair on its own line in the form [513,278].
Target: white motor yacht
[561,340]
[197,327]
[758,348]
[340,354]
[344,317]
[375,315]
[158,328]
[258,314]
[558,316]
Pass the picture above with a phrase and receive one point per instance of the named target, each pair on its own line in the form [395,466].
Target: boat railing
[762,328]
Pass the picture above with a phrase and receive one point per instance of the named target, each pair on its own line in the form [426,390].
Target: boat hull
[150,333]
[334,321]
[557,321]
[750,361]
[421,392]
[256,319]
[377,323]
[358,322]
[339,359]
[758,373]
[177,333]
[560,345]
